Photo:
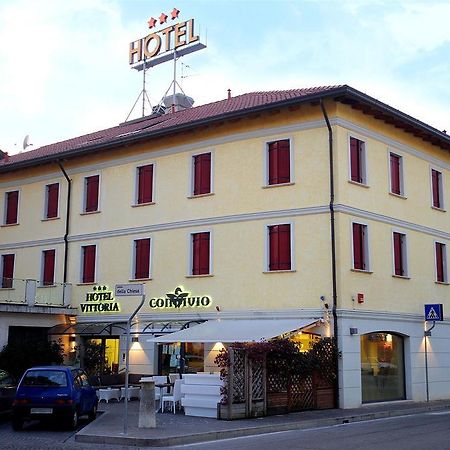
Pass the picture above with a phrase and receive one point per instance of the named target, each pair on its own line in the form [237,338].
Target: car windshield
[45,378]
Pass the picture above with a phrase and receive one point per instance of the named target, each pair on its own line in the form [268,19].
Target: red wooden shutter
[145,184]
[202,174]
[89,264]
[48,275]
[280,247]
[12,204]
[355,160]
[52,200]
[273,163]
[440,262]
[358,246]
[142,254]
[92,193]
[200,254]
[435,181]
[398,254]
[8,271]
[284,162]
[395,174]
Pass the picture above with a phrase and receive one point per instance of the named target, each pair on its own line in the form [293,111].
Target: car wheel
[17,424]
[93,413]
[72,421]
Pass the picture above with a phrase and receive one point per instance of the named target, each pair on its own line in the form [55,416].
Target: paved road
[416,432]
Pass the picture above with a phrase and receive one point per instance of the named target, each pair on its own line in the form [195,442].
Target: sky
[64,67]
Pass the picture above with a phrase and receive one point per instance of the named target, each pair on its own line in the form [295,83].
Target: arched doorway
[382,367]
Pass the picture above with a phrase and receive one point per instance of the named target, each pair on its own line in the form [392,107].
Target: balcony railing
[34,293]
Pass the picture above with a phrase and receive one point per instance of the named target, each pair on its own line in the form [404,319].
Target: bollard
[147,417]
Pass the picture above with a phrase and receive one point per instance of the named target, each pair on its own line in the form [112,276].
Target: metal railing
[34,293]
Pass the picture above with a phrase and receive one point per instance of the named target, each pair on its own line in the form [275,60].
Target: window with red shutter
[279,247]
[395,163]
[52,193]
[279,162]
[200,253]
[142,258]
[88,273]
[7,270]
[12,207]
[441,276]
[48,271]
[202,174]
[357,160]
[91,193]
[359,246]
[145,184]
[399,241]
[436,183]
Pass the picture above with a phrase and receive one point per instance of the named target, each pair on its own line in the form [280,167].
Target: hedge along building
[320,209]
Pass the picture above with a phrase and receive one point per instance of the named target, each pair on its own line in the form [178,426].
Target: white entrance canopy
[236,330]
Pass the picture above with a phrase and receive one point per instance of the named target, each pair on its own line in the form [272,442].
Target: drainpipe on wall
[66,234]
[333,246]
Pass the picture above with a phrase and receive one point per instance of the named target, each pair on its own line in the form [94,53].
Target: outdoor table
[133,392]
[161,386]
[108,394]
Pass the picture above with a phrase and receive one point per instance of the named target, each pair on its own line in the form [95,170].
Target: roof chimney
[4,156]
[229,94]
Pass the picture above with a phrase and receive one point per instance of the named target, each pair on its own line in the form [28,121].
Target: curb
[242,432]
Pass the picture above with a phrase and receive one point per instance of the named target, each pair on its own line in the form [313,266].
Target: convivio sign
[101,300]
[180,299]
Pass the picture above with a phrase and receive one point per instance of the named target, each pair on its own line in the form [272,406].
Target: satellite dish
[26,142]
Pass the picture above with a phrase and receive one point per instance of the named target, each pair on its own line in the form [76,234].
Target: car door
[88,394]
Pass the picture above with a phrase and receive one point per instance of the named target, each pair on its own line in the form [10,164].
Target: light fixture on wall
[72,339]
[134,339]
[353,331]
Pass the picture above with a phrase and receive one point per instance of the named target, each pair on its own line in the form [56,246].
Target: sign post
[129,290]
[433,312]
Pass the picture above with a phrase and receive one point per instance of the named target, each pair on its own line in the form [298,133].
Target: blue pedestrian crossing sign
[434,312]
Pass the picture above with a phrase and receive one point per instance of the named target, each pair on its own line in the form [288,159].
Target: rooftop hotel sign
[160,46]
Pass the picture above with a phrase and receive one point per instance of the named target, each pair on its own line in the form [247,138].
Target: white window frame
[134,201]
[133,258]
[191,173]
[41,278]
[82,262]
[402,173]
[441,188]
[405,253]
[367,249]
[364,159]
[5,207]
[83,205]
[445,262]
[266,161]
[44,216]
[190,268]
[266,268]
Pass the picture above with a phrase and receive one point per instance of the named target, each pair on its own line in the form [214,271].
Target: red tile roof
[153,124]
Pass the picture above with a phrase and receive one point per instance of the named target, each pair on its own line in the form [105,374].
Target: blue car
[56,393]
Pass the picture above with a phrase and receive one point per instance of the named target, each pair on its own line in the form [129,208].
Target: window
[141,259]
[91,193]
[48,268]
[396,174]
[279,247]
[7,271]
[441,262]
[144,184]
[437,189]
[88,264]
[279,162]
[51,200]
[399,250]
[360,247]
[200,253]
[12,207]
[202,174]
[357,161]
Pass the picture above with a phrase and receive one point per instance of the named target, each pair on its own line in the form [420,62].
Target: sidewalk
[177,429]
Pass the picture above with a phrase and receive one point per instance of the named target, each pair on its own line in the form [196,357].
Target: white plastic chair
[175,397]
[173,377]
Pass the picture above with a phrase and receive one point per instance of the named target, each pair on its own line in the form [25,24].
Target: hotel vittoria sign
[101,300]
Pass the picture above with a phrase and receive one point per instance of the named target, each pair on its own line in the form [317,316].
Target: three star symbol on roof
[163,18]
